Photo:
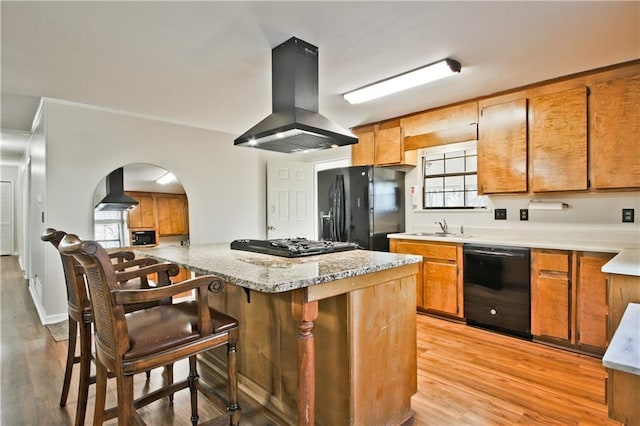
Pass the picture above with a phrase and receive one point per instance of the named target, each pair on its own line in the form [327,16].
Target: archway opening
[152,210]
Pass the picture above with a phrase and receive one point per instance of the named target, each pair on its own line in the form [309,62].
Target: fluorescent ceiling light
[166,178]
[401,82]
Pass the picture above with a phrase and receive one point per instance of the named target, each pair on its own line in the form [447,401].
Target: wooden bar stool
[80,314]
[129,343]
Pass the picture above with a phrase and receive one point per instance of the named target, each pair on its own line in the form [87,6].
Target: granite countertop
[623,352]
[626,245]
[274,274]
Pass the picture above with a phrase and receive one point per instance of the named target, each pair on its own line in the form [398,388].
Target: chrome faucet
[443,226]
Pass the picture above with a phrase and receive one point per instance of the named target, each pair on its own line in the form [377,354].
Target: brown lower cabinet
[569,305]
[622,388]
[591,310]
[551,295]
[569,298]
[183,274]
[439,282]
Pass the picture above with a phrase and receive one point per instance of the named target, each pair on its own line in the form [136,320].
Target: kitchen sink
[442,234]
[432,234]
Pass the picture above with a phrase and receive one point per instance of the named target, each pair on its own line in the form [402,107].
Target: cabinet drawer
[557,262]
[428,250]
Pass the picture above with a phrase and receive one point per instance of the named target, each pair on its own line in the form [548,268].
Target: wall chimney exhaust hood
[295,124]
[116,199]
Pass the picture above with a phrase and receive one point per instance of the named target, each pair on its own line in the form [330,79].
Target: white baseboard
[44,318]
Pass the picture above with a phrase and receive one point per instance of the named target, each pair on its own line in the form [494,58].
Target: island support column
[305,313]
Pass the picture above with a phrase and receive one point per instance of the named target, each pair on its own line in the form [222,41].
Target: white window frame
[119,222]
[444,149]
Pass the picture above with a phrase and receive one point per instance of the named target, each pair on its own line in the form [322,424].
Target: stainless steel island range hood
[116,199]
[295,124]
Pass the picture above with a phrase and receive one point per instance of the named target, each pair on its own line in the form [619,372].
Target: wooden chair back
[109,319]
[77,298]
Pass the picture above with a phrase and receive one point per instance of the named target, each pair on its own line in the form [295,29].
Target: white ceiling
[208,64]
[140,177]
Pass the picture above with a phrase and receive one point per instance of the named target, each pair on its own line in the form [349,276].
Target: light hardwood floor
[466,376]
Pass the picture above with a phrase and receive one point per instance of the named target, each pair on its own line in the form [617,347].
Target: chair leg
[235,413]
[85,372]
[125,399]
[193,382]
[169,370]
[101,393]
[71,354]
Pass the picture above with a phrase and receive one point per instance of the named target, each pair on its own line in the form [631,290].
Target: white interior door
[6,218]
[290,200]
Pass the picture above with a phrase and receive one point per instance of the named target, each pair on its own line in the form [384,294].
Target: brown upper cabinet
[573,133]
[363,153]
[168,214]
[381,144]
[559,141]
[457,123]
[616,132]
[502,145]
[143,215]
[172,214]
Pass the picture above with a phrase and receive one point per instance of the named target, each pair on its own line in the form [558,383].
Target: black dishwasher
[497,289]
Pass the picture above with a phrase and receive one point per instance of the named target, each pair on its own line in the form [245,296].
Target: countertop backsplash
[600,213]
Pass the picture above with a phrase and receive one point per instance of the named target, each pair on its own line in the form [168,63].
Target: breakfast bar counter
[326,339]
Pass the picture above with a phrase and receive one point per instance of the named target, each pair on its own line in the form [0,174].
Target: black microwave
[143,238]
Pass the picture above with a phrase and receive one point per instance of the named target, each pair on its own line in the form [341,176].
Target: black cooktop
[292,247]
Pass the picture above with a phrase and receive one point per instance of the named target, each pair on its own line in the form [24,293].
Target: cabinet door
[388,144]
[406,247]
[551,294]
[178,208]
[362,153]
[559,141]
[592,301]
[616,132]
[502,148]
[164,216]
[142,215]
[172,215]
[440,286]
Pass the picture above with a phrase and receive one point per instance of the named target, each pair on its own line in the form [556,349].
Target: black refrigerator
[361,205]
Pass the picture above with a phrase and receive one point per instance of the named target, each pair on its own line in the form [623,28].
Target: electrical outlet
[500,214]
[628,215]
[524,214]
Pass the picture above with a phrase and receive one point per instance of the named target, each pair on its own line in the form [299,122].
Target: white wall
[37,252]
[225,185]
[594,211]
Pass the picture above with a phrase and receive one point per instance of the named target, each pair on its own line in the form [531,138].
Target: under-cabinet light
[404,81]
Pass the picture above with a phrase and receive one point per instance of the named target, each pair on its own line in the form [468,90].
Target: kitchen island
[327,339]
